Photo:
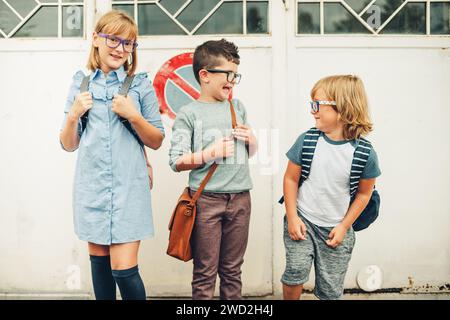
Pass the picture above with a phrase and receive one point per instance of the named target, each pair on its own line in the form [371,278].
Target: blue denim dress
[111,192]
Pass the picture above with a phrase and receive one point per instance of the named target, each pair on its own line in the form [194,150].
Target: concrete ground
[305,296]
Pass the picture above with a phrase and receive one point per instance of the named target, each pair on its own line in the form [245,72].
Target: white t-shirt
[324,197]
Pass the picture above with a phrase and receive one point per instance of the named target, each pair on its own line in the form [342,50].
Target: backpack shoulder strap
[83,88]
[123,91]
[307,154]
[360,158]
[308,149]
[84,84]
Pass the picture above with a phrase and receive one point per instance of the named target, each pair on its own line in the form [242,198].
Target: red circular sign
[168,74]
[175,84]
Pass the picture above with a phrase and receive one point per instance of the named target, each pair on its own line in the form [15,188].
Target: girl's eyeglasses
[231,76]
[315,105]
[113,42]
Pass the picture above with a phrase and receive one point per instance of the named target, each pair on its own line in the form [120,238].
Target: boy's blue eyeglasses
[231,76]
[315,105]
[113,42]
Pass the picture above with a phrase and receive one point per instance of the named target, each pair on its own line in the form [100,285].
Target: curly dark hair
[208,54]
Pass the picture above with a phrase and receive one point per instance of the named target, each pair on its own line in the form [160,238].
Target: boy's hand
[222,148]
[124,107]
[336,236]
[82,103]
[296,229]
[243,133]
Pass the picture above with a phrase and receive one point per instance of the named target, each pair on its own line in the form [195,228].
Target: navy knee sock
[102,278]
[130,283]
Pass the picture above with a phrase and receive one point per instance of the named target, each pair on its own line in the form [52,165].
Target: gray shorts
[330,265]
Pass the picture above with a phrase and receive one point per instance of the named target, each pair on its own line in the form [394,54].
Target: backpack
[360,157]
[122,91]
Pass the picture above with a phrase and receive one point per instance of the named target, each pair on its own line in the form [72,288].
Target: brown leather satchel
[183,217]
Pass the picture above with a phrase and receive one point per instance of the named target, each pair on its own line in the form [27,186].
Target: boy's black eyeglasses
[315,105]
[231,76]
[113,42]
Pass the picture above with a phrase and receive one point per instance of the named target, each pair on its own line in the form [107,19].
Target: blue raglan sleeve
[294,154]
[372,169]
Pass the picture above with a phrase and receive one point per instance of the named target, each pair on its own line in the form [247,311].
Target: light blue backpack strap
[307,154]
[360,158]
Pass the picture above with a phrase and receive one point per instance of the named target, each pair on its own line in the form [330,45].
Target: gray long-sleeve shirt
[200,124]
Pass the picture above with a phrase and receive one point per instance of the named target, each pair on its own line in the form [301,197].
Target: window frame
[357,16]
[40,4]
[203,20]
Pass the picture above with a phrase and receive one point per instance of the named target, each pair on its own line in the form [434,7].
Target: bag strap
[308,149]
[307,154]
[214,165]
[360,158]
[123,91]
[83,88]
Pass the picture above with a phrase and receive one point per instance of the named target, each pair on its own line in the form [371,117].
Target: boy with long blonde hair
[317,186]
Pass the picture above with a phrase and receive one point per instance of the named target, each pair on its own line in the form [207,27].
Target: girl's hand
[82,103]
[124,107]
[297,229]
[243,133]
[336,236]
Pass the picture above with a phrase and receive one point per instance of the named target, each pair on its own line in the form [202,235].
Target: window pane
[172,5]
[385,8]
[257,17]
[72,23]
[44,23]
[440,18]
[358,5]
[128,8]
[226,20]
[8,19]
[410,20]
[337,19]
[153,21]
[308,18]
[195,12]
[23,7]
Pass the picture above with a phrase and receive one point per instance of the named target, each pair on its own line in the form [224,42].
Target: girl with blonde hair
[111,191]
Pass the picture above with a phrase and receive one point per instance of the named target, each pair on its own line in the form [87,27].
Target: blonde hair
[351,103]
[115,22]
